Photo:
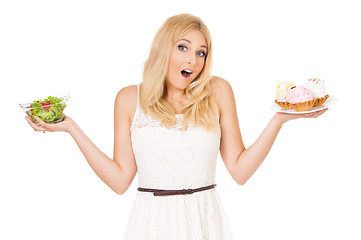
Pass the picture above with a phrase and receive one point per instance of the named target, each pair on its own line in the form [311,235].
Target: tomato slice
[46,105]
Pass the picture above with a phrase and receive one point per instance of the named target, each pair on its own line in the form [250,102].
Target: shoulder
[127,91]
[221,84]
[222,91]
[127,95]
[126,100]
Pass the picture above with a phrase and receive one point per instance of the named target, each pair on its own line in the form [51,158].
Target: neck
[174,95]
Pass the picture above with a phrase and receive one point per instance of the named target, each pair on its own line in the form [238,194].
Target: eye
[201,53]
[182,47]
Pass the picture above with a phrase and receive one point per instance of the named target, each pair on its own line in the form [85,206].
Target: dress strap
[137,109]
[138,93]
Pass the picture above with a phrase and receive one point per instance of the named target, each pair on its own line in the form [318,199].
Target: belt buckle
[188,191]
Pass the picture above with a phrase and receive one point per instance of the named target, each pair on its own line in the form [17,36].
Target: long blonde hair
[199,107]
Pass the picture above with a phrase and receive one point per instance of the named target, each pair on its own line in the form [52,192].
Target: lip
[187,69]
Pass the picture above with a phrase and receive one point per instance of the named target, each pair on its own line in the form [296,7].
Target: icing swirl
[317,87]
[299,94]
[282,89]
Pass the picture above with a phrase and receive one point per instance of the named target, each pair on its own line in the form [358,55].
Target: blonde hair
[200,107]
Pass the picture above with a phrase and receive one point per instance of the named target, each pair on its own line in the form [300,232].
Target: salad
[48,110]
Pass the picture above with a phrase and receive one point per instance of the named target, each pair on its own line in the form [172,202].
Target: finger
[318,113]
[34,126]
[315,115]
[41,122]
[308,115]
[46,126]
[322,111]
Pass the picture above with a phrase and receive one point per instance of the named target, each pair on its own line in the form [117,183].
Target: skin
[188,53]
[242,162]
[119,172]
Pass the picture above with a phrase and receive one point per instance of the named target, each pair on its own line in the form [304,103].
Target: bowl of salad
[50,109]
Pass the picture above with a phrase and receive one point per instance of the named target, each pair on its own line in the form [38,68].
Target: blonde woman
[169,129]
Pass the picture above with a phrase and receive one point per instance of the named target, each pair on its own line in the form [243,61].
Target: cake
[317,88]
[281,93]
[300,98]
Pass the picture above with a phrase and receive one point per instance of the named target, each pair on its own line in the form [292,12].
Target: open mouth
[186,73]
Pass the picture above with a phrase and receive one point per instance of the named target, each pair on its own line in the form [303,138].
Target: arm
[106,169]
[241,162]
[117,173]
[252,157]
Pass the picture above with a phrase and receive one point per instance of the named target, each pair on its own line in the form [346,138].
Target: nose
[191,59]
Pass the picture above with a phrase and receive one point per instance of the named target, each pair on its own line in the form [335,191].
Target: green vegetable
[48,110]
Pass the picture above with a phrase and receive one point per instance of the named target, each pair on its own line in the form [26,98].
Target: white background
[307,188]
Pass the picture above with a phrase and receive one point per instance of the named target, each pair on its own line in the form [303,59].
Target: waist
[165,192]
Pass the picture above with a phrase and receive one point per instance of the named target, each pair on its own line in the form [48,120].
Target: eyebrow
[183,39]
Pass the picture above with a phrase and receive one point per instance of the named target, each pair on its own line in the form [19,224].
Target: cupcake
[281,92]
[300,98]
[317,87]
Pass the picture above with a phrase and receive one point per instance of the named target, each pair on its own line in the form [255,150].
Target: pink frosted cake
[300,98]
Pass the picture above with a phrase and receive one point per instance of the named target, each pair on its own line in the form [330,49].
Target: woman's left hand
[284,117]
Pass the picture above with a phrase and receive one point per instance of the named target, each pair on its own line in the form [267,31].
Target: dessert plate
[329,102]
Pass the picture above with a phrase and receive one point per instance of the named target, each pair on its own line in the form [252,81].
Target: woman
[169,129]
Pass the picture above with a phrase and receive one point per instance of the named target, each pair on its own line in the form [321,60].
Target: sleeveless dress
[173,159]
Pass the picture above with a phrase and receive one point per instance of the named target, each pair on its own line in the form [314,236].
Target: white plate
[330,101]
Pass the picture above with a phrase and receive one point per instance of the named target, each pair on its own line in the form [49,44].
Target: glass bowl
[50,109]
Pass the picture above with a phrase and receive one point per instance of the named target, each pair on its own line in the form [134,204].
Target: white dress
[172,159]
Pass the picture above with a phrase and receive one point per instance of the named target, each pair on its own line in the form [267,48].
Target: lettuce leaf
[55,111]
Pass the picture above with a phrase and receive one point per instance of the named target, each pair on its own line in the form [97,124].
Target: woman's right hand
[63,126]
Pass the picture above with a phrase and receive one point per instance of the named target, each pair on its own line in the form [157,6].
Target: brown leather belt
[163,192]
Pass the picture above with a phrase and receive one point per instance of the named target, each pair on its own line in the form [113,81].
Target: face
[186,60]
